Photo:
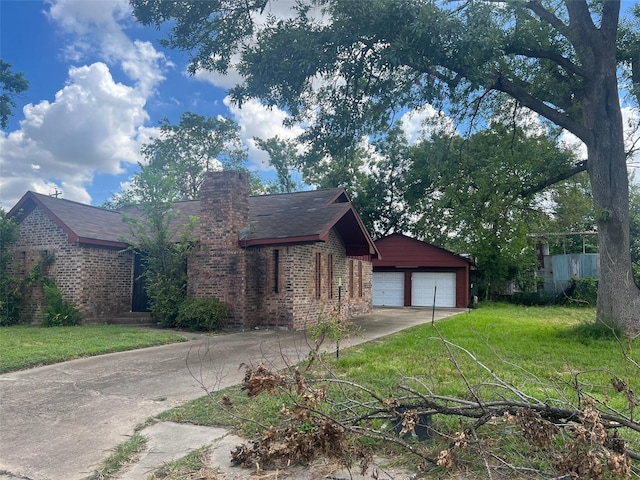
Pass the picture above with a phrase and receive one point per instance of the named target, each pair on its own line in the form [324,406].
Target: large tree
[349,67]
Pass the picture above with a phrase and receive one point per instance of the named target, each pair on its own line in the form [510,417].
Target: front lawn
[554,355]
[534,348]
[29,346]
[543,351]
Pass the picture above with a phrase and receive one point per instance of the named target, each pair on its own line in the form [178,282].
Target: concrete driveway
[59,422]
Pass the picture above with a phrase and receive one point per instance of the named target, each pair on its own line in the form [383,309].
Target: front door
[139,297]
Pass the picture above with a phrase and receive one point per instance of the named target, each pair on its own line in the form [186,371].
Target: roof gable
[399,250]
[82,223]
[307,217]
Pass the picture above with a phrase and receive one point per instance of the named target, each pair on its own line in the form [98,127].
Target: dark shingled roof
[295,215]
[82,223]
[273,219]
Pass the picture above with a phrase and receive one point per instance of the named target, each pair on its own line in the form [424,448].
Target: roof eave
[100,243]
[282,240]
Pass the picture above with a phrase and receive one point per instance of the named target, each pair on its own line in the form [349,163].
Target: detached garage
[409,272]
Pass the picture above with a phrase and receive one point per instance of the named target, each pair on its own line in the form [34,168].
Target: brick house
[277,260]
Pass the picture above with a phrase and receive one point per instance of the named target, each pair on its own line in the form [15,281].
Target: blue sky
[98,85]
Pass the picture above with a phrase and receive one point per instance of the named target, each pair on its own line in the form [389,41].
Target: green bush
[166,296]
[202,314]
[58,312]
[585,291]
[531,299]
[9,306]
[9,286]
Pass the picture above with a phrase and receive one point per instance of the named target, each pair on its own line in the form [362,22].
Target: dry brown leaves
[592,451]
[260,379]
[281,447]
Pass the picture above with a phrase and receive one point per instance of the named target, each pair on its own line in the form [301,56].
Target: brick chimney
[217,269]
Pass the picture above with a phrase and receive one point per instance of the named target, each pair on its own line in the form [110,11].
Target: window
[330,274]
[276,271]
[21,264]
[359,278]
[318,274]
[351,279]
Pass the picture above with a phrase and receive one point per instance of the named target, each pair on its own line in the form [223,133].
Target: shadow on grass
[592,331]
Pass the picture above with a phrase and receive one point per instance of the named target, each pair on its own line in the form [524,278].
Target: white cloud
[421,123]
[96,28]
[570,141]
[281,9]
[226,81]
[257,120]
[93,126]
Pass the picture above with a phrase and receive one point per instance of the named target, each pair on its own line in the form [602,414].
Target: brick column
[218,269]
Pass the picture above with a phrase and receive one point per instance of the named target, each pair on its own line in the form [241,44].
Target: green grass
[29,346]
[253,414]
[191,466]
[541,350]
[122,455]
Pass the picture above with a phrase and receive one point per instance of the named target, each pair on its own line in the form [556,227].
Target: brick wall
[298,303]
[96,280]
[218,266]
[104,284]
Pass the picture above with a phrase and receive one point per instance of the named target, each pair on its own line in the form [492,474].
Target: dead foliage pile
[576,443]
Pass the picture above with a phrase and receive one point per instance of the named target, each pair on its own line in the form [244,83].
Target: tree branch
[536,7]
[564,62]
[579,167]
[503,84]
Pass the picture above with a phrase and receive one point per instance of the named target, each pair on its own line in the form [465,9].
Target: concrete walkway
[59,422]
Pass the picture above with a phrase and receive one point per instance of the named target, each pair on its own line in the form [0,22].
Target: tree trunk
[618,296]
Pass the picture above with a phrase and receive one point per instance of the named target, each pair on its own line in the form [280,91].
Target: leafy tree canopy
[177,161]
[479,195]
[348,69]
[11,84]
[196,145]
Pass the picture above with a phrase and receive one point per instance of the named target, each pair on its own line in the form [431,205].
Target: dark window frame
[351,279]
[318,275]
[276,271]
[330,274]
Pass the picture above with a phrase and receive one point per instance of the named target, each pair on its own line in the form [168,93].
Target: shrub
[58,312]
[584,291]
[202,314]
[9,286]
[166,297]
[530,299]
[9,305]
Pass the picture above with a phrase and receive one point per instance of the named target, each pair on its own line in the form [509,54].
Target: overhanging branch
[509,87]
[579,167]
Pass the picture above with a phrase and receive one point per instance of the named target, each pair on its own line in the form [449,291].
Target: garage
[423,285]
[408,270]
[388,289]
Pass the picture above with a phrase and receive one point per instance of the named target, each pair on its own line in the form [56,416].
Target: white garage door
[423,284]
[388,289]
